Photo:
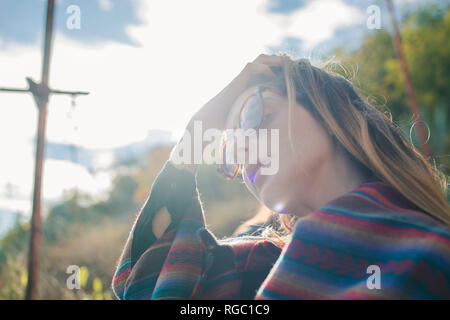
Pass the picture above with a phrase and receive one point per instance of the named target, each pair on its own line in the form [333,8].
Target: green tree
[424,37]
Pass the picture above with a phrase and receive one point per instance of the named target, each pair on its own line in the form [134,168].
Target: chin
[266,194]
[277,207]
[270,199]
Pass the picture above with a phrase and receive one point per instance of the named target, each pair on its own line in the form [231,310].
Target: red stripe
[378,228]
[385,200]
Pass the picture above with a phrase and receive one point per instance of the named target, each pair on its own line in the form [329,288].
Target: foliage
[424,38]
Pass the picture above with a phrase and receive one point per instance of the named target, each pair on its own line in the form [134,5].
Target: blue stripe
[385,218]
[125,264]
[345,243]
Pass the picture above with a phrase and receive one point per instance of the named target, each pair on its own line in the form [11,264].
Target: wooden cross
[41,93]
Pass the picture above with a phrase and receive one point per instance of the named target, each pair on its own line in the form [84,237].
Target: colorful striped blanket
[370,243]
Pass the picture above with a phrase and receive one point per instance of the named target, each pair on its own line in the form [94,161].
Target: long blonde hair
[369,136]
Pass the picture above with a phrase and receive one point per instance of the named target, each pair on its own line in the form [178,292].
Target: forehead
[236,107]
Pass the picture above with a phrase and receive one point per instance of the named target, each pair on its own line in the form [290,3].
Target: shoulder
[373,224]
[378,204]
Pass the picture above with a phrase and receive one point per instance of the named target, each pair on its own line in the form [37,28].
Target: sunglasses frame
[257,92]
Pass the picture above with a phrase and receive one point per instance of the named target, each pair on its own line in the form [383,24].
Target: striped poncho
[370,243]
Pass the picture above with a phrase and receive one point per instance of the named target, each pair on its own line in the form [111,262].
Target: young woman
[366,212]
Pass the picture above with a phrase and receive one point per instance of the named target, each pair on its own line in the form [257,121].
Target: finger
[272,60]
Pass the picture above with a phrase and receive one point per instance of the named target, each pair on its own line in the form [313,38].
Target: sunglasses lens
[251,114]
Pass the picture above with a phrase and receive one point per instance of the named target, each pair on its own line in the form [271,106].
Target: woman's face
[291,188]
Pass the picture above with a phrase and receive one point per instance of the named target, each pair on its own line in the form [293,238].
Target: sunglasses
[251,117]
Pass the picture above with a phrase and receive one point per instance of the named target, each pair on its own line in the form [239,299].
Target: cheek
[312,144]
[290,175]
[278,188]
[297,170]
[312,147]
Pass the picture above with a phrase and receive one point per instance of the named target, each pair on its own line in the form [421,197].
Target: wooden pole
[40,94]
[409,88]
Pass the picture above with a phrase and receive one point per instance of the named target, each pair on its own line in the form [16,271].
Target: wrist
[192,168]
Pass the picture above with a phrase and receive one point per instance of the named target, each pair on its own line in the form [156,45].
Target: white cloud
[190,50]
[319,20]
[105,5]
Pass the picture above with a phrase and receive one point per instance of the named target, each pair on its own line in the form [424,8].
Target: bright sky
[187,52]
